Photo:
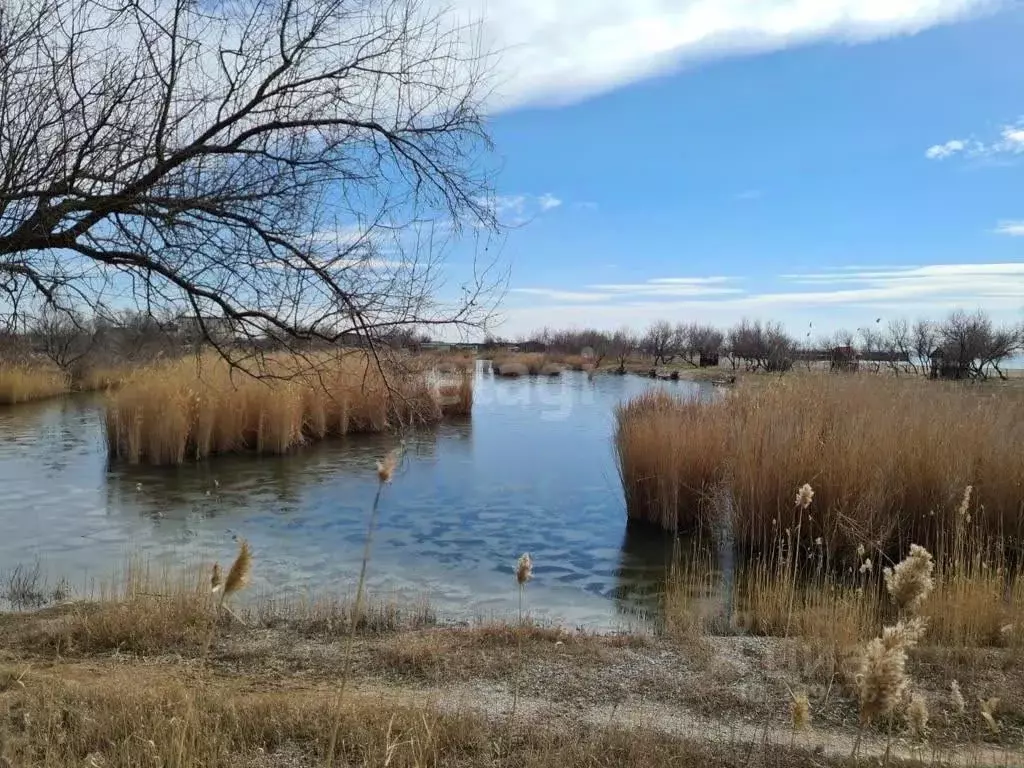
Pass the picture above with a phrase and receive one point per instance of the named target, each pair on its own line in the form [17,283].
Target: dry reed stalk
[385,471]
[988,708]
[917,716]
[883,453]
[800,710]
[956,698]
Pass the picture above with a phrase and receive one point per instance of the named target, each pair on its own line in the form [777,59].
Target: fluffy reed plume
[804,496]
[216,580]
[988,713]
[965,503]
[910,582]
[866,566]
[238,576]
[524,569]
[386,467]
[917,716]
[524,572]
[800,710]
[956,698]
[882,677]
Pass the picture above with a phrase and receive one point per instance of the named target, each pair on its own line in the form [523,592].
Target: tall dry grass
[176,411]
[968,594]
[22,382]
[888,459]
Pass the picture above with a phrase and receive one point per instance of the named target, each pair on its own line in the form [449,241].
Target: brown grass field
[888,458]
[189,409]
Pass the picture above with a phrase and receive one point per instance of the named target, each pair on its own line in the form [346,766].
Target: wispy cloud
[848,291]
[557,295]
[1011,228]
[670,286]
[547,201]
[557,51]
[942,151]
[1009,142]
[961,282]
[518,209]
[749,194]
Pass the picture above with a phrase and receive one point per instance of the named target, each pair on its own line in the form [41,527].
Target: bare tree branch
[295,169]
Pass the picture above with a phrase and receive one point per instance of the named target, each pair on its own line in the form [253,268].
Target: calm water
[533,470]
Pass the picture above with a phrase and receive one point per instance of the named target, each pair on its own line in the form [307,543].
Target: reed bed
[22,382]
[888,460]
[537,364]
[190,409]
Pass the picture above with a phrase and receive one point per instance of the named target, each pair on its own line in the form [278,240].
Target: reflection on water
[533,470]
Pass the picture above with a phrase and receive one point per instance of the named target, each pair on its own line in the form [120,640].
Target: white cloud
[547,201]
[749,194]
[1011,228]
[1013,138]
[556,51]
[509,203]
[1010,142]
[515,210]
[942,151]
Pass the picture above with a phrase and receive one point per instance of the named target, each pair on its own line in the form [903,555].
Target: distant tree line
[75,343]
[964,345]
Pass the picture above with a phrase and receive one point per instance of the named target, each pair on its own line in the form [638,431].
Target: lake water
[532,471]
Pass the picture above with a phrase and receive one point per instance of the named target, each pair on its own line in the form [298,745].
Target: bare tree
[291,168]
[693,340]
[64,339]
[622,346]
[971,343]
[660,342]
[762,346]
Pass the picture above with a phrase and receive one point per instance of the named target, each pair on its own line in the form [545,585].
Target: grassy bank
[172,412]
[888,458]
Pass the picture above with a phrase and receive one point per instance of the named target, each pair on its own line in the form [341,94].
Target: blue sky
[825,161]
